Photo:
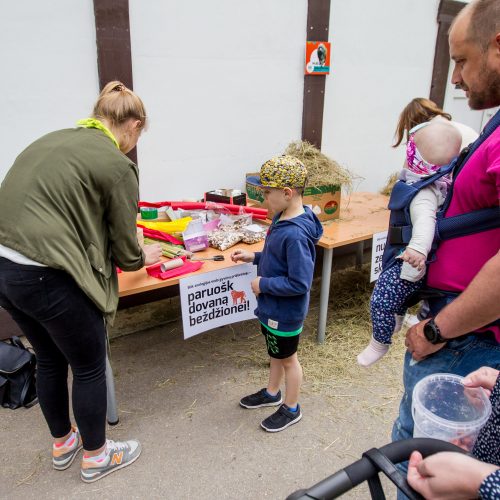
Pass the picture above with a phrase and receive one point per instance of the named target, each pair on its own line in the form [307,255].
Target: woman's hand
[484,377]
[242,255]
[447,475]
[152,254]
[414,258]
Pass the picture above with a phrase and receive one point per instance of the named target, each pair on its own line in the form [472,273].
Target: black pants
[64,327]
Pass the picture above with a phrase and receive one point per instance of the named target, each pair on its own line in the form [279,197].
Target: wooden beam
[114,57]
[318,20]
[448,9]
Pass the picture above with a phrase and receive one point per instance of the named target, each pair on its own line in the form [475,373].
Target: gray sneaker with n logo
[119,454]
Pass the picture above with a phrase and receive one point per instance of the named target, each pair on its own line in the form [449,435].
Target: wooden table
[361,216]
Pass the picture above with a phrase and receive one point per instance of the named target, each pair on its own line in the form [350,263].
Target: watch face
[430,332]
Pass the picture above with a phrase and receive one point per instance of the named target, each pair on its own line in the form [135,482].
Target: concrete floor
[180,398]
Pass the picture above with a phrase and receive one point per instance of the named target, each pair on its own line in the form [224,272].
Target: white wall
[382,58]
[222,83]
[49,73]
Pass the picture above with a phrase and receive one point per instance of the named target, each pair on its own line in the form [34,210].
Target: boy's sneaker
[260,399]
[119,454]
[282,419]
[64,455]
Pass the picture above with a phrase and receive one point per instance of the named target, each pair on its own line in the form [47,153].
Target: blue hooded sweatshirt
[286,266]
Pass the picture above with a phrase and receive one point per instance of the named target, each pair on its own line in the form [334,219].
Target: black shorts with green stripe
[279,346]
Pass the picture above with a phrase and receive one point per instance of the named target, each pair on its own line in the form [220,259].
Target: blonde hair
[117,104]
[417,111]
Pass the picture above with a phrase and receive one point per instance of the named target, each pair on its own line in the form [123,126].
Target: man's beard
[490,96]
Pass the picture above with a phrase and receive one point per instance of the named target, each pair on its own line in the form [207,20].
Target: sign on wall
[378,247]
[317,58]
[217,298]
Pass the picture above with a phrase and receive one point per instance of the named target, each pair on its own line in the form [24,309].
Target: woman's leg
[64,326]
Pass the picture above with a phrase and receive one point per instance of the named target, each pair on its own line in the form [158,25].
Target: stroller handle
[356,473]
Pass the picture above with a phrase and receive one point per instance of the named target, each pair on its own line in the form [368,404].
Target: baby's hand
[414,258]
[242,255]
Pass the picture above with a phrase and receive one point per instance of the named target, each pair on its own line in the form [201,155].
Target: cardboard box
[323,200]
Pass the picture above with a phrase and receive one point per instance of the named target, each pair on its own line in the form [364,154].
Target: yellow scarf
[94,123]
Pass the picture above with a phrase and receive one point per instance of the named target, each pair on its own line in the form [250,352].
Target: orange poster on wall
[317,58]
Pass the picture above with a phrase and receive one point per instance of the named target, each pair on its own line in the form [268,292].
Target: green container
[148,213]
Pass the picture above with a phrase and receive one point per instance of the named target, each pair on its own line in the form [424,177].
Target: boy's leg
[285,356]
[276,373]
[270,396]
[293,379]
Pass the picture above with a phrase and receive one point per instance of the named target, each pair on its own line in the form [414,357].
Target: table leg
[112,413]
[325,292]
[359,254]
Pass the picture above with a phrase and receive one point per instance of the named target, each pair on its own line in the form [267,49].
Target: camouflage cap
[281,172]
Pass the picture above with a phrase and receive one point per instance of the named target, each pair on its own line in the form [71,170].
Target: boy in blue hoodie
[284,276]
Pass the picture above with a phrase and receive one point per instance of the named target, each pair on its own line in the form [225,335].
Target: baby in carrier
[430,146]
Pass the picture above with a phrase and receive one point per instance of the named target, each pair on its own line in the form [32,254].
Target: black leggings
[64,327]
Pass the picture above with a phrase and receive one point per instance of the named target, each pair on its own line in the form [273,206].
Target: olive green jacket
[70,202]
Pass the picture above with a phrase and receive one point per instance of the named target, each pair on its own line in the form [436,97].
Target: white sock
[67,442]
[372,353]
[97,458]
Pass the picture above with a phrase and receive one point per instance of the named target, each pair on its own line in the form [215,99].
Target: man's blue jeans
[461,357]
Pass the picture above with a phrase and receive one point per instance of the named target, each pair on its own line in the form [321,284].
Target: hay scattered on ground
[387,189]
[320,168]
[329,368]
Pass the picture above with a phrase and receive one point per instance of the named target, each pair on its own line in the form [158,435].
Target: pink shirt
[477,186]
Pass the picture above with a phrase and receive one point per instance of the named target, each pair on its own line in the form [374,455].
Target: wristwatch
[432,333]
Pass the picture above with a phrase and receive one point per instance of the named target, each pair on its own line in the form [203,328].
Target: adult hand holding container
[443,408]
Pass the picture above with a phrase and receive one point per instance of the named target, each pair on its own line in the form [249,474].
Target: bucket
[443,408]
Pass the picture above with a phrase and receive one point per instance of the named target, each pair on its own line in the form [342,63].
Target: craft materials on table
[218,258]
[187,267]
[149,213]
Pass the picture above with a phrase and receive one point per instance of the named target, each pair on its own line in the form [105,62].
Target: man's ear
[288,192]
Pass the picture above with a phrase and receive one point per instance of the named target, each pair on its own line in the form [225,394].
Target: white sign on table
[217,298]
[378,247]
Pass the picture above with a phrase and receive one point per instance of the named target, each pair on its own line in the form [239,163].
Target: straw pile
[321,169]
[331,368]
[387,189]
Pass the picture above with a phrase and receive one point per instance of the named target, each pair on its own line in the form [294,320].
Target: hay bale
[321,169]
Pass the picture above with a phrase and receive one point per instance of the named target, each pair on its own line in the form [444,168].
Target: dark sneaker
[119,454]
[282,419]
[260,399]
[63,456]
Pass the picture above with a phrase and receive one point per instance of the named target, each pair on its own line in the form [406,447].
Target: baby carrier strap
[475,221]
[400,226]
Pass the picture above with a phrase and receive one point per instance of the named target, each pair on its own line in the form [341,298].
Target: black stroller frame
[368,467]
